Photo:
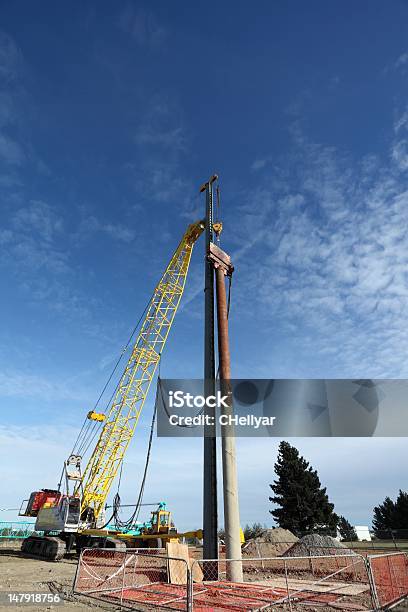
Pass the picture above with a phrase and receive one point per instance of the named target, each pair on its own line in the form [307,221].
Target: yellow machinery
[81,511]
[161,521]
[151,534]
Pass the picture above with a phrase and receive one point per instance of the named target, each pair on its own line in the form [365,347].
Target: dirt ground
[21,575]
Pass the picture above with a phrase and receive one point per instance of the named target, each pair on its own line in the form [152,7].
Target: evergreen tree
[401,511]
[253,531]
[221,534]
[391,515]
[303,504]
[383,520]
[347,531]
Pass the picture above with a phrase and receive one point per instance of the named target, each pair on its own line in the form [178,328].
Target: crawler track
[48,548]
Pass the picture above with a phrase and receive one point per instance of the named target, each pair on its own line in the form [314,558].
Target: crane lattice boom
[131,392]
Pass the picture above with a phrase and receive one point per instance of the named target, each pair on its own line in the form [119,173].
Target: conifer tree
[346,530]
[391,515]
[401,511]
[303,505]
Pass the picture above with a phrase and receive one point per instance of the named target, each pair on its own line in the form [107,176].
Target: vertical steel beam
[210,512]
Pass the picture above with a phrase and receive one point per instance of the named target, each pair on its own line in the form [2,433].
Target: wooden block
[198,573]
[177,570]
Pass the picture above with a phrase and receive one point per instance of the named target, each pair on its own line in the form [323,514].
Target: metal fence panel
[341,580]
[139,579]
[134,578]
[389,576]
[17,530]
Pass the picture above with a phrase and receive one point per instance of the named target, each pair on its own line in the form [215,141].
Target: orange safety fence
[390,577]
[142,579]
[133,577]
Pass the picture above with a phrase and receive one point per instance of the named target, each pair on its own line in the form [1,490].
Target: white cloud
[161,125]
[165,136]
[331,260]
[30,242]
[400,154]
[38,217]
[258,164]
[158,181]
[119,232]
[36,251]
[6,236]
[402,60]
[37,455]
[90,225]
[21,384]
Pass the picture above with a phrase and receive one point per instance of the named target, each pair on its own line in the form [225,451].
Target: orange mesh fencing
[141,579]
[133,578]
[390,577]
[340,581]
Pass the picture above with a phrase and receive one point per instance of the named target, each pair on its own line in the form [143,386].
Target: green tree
[303,505]
[401,511]
[383,520]
[391,515]
[346,530]
[253,531]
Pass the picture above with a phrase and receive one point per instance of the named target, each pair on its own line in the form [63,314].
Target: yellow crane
[65,517]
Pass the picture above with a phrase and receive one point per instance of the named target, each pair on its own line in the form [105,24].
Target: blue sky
[111,117]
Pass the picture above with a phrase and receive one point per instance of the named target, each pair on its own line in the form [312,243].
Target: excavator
[74,514]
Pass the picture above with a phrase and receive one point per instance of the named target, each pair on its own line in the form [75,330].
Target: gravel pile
[271,543]
[315,544]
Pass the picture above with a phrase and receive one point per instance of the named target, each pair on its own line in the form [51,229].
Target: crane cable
[119,524]
[116,502]
[127,525]
[85,438]
[89,428]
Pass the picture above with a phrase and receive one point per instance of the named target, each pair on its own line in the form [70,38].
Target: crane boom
[131,392]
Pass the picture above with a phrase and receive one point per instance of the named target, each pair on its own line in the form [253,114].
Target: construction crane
[76,516]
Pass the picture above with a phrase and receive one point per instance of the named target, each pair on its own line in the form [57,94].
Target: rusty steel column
[222,327]
[223,267]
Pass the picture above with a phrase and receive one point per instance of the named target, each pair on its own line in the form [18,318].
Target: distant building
[363,533]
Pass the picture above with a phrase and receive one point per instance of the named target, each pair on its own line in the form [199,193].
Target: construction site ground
[20,574]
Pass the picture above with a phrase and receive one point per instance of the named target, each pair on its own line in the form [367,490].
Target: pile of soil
[315,544]
[271,543]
